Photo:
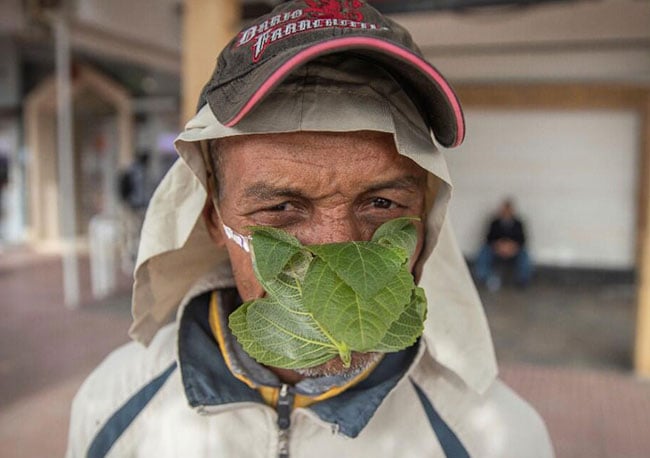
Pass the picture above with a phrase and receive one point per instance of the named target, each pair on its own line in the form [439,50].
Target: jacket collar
[209,383]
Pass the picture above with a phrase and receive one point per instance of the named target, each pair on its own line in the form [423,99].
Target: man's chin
[358,363]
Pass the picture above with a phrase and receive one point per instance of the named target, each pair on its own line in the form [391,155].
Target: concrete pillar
[208,25]
[126,133]
[642,345]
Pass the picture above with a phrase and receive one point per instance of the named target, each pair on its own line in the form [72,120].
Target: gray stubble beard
[358,363]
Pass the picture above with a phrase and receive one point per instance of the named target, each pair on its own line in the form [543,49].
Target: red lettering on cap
[318,14]
[335,9]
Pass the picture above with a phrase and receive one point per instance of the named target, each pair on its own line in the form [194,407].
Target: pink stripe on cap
[355,42]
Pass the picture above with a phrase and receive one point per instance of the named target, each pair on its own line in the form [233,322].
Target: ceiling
[255,8]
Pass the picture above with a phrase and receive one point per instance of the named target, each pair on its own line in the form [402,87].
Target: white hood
[175,249]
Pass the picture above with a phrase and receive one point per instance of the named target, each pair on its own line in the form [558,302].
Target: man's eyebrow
[263,191]
[407,182]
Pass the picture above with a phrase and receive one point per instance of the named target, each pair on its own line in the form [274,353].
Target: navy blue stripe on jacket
[122,418]
[451,445]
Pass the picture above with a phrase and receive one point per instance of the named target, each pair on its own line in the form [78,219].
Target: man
[505,241]
[135,190]
[315,128]
[4,182]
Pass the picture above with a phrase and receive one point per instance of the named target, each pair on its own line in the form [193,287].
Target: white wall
[573,175]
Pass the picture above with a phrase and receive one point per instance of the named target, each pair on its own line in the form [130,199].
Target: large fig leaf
[276,247]
[332,299]
[287,332]
[398,233]
[360,323]
[239,326]
[286,286]
[364,266]
[404,331]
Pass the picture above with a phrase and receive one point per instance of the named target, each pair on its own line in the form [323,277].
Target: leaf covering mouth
[329,300]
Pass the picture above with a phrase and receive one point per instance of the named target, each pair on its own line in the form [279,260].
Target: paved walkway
[566,346]
[589,413]
[593,407]
[47,350]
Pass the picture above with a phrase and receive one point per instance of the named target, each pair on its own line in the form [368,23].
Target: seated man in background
[289,259]
[505,242]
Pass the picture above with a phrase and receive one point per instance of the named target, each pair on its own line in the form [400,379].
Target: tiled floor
[566,350]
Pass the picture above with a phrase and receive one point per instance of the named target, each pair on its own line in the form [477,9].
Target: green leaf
[404,331]
[399,232]
[360,323]
[332,299]
[287,332]
[364,266]
[271,250]
[239,327]
[286,286]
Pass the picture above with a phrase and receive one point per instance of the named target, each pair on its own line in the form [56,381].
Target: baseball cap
[264,53]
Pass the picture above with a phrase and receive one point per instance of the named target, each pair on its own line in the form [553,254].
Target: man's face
[506,211]
[321,187]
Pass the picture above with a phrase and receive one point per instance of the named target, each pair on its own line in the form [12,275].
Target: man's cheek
[418,249]
[247,284]
[249,289]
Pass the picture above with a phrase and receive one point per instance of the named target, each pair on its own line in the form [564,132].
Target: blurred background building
[555,93]
[125,68]
[554,96]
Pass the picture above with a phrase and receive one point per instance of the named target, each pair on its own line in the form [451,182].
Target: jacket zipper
[284,406]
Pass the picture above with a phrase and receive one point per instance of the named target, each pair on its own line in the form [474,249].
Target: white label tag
[242,240]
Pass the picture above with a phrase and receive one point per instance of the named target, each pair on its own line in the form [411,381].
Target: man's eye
[279,215]
[380,202]
[278,208]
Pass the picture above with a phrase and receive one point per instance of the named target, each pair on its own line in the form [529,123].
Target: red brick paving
[589,413]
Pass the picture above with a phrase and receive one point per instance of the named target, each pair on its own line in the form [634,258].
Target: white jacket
[177,398]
